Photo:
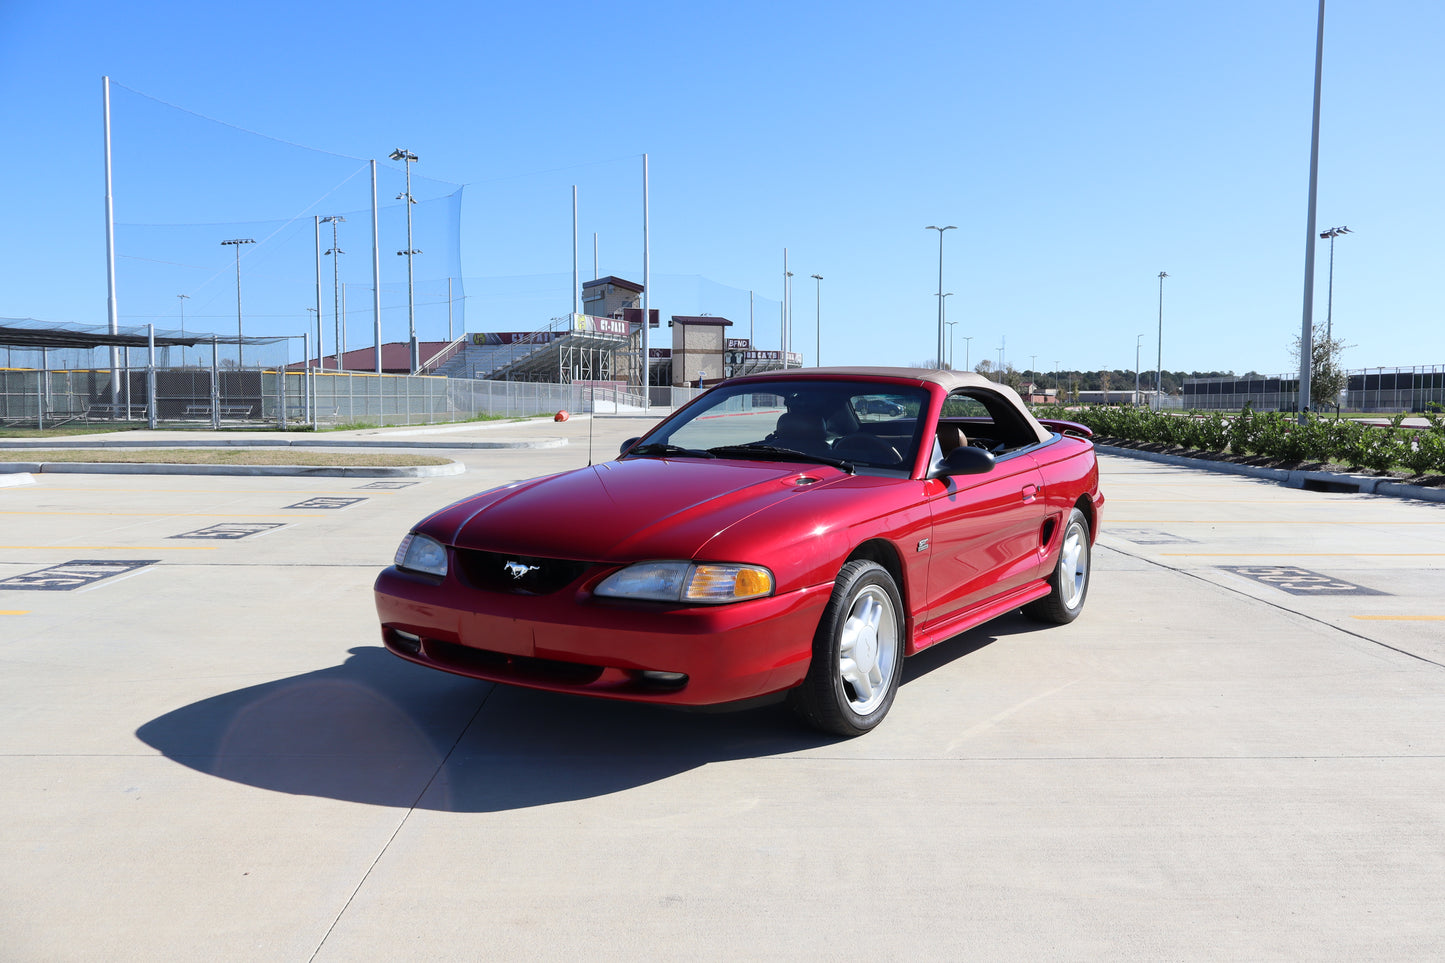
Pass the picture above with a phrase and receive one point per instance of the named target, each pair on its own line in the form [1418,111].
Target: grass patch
[225,456]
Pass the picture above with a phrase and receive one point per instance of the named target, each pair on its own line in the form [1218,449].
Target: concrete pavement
[1234,753]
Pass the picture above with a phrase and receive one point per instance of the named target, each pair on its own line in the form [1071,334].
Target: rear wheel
[1069,585]
[857,654]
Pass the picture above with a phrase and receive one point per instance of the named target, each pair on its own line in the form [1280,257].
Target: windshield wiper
[664,449]
[774,453]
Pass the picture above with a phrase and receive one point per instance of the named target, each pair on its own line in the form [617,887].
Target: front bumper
[571,641]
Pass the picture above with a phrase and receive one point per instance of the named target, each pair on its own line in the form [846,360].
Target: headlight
[418,553]
[706,583]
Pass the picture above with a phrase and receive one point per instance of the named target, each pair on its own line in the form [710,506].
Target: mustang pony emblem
[517,569]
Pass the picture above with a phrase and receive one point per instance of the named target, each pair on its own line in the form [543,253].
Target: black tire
[1069,584]
[857,654]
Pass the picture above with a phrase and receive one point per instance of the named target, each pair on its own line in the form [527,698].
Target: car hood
[627,510]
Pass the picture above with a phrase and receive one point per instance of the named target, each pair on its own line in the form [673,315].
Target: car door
[986,531]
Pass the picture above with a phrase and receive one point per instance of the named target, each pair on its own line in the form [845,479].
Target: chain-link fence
[252,398]
[1367,390]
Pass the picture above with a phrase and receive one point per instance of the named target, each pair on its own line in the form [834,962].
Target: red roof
[395,357]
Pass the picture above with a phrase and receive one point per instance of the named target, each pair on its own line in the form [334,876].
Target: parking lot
[1237,752]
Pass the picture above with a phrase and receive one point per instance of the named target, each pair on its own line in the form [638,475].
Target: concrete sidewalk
[205,753]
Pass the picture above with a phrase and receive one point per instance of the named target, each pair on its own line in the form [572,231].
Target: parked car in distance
[878,405]
[765,540]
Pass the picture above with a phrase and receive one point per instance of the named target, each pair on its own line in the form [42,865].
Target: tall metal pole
[335,255]
[595,273]
[1332,233]
[184,298]
[750,319]
[408,158]
[783,314]
[940,231]
[789,280]
[320,345]
[450,337]
[1307,335]
[1159,362]
[646,292]
[943,303]
[966,345]
[375,269]
[818,321]
[1138,343]
[240,335]
[112,312]
[576,279]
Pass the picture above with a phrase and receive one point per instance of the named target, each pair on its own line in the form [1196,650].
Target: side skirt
[936,632]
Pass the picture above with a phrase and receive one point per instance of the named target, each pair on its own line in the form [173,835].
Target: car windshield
[869,427]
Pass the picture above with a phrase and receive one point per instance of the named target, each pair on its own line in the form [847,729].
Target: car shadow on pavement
[380,731]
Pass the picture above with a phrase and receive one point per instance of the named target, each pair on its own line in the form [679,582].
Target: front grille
[517,667]
[518,574]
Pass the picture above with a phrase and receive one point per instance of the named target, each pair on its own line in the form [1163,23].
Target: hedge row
[1275,435]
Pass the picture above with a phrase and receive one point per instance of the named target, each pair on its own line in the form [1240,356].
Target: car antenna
[591,417]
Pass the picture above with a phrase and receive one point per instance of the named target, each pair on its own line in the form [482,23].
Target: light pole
[1159,363]
[1138,343]
[1332,233]
[818,320]
[237,242]
[335,255]
[952,341]
[184,298]
[943,362]
[408,158]
[788,313]
[966,347]
[940,231]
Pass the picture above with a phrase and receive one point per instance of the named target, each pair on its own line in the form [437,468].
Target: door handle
[1030,492]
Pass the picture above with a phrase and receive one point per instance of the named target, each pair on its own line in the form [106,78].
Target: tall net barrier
[199,202]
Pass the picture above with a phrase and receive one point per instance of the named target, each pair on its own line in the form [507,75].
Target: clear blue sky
[1081,148]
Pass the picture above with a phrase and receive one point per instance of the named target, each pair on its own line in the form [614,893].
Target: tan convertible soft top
[949,381]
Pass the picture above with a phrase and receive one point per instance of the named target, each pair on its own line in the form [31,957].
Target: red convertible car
[781,534]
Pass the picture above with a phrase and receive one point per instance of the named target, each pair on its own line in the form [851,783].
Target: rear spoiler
[1067,427]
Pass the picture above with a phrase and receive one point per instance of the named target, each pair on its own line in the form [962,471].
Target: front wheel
[857,654]
[1069,584]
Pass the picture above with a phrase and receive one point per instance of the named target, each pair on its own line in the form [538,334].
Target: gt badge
[923,544]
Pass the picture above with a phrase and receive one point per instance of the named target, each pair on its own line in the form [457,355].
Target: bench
[223,411]
[107,411]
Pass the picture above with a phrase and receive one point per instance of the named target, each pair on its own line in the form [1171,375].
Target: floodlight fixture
[237,242]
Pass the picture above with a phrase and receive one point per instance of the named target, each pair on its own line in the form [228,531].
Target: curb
[1325,481]
[26,470]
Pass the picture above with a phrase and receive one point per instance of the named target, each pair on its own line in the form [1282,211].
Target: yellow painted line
[14,611]
[1246,521]
[1399,618]
[118,548]
[182,514]
[1289,554]
[231,491]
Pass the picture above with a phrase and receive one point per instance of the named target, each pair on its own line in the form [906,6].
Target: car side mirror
[628,444]
[967,460]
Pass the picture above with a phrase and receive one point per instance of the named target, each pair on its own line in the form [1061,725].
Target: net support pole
[215,386]
[151,414]
[1307,336]
[646,292]
[375,269]
[112,312]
